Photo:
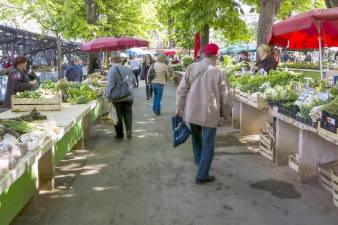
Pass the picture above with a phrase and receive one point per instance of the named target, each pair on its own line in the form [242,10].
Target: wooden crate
[270,130]
[334,184]
[266,147]
[325,178]
[258,102]
[46,103]
[293,162]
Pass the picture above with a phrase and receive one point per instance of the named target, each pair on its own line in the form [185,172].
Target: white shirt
[134,64]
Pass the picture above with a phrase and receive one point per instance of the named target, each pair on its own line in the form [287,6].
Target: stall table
[19,184]
[313,147]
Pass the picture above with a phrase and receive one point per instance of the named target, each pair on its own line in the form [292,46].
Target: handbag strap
[120,75]
[150,68]
[208,68]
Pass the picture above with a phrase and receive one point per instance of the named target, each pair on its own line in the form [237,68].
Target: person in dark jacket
[18,80]
[117,74]
[267,61]
[146,66]
[72,73]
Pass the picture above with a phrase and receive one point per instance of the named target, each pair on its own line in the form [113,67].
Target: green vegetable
[332,107]
[17,125]
[48,85]
[29,94]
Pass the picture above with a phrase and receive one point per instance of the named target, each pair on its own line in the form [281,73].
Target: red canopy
[113,44]
[170,52]
[302,31]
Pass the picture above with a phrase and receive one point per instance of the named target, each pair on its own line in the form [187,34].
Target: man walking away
[160,80]
[135,66]
[117,74]
[201,99]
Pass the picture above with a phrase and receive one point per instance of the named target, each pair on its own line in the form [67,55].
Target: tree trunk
[268,10]
[92,17]
[331,3]
[59,55]
[204,38]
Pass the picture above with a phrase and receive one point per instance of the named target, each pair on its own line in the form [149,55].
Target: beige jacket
[203,94]
[162,73]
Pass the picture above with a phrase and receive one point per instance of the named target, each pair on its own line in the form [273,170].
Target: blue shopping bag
[181,132]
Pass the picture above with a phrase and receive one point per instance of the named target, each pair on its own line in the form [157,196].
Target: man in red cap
[202,98]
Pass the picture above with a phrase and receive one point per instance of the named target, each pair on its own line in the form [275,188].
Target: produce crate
[270,130]
[243,96]
[288,111]
[293,162]
[45,103]
[272,103]
[267,146]
[329,122]
[334,183]
[327,134]
[305,121]
[257,102]
[325,174]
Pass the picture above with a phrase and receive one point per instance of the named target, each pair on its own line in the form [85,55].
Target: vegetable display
[29,94]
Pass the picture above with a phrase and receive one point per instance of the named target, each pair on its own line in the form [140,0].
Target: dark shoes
[205,180]
[129,135]
[118,137]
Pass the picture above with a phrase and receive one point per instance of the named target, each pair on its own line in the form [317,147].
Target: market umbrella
[312,30]
[113,44]
[136,51]
[170,52]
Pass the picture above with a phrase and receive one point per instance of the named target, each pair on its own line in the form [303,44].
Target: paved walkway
[145,181]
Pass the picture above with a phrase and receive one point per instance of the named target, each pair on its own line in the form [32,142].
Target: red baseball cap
[211,49]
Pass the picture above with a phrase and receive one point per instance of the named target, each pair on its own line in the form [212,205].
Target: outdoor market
[153,112]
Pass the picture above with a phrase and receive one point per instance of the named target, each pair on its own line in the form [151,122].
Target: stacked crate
[267,141]
[328,177]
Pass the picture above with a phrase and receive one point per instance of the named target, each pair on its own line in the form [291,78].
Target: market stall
[33,143]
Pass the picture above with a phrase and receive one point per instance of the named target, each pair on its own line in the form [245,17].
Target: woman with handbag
[120,84]
[161,71]
[146,72]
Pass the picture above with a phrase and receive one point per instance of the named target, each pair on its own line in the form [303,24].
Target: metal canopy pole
[320,53]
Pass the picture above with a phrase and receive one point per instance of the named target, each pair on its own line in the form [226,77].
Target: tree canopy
[113,18]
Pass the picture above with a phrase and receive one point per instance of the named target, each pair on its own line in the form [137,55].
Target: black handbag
[121,89]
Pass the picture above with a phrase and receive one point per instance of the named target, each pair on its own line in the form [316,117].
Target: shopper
[202,98]
[121,74]
[72,73]
[146,68]
[161,77]
[78,66]
[18,80]
[135,67]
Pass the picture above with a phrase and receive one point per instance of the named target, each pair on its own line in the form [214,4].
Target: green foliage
[332,107]
[186,61]
[69,18]
[184,18]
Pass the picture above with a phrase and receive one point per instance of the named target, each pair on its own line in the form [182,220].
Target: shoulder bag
[121,89]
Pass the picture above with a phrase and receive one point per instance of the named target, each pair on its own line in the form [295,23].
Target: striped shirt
[162,73]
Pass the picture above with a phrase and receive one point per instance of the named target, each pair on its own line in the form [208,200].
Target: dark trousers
[124,113]
[136,73]
[149,90]
[203,145]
